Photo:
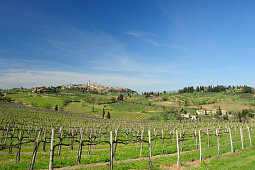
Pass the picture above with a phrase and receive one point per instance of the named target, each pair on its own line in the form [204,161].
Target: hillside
[130,105]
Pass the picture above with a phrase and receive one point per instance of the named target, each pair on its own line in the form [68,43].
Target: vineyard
[33,138]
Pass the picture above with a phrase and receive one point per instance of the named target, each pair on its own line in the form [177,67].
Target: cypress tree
[56,108]
[103,113]
[108,115]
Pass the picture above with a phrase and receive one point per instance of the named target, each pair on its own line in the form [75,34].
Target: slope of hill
[128,105]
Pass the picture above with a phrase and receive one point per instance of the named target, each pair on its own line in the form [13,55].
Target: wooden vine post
[162,141]
[200,146]
[150,163]
[241,133]
[248,129]
[111,152]
[51,149]
[231,142]
[178,149]
[218,141]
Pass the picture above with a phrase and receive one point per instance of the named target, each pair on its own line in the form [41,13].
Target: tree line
[218,88]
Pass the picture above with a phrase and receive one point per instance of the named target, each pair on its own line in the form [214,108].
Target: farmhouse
[203,112]
[223,111]
[186,115]
[211,112]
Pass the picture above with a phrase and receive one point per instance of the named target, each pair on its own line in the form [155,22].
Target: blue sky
[145,45]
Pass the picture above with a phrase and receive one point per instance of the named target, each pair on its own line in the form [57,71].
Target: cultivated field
[138,107]
[34,138]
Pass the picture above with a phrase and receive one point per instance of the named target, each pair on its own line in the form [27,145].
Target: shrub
[164,98]
[7,99]
[108,115]
[225,117]
[56,108]
[66,102]
[113,99]
[120,97]
[218,112]
[46,105]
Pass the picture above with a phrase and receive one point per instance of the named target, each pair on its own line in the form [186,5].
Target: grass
[135,108]
[240,160]
[139,107]
[101,154]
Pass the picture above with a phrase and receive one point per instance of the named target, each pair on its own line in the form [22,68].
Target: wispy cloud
[150,39]
[29,78]
[145,37]
[139,77]
[13,63]
[135,34]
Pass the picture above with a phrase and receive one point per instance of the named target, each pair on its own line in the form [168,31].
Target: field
[135,108]
[138,107]
[42,139]
[143,132]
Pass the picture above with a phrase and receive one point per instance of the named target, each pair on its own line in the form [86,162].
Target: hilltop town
[87,87]
[93,86]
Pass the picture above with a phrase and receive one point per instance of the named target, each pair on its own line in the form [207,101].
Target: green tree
[66,102]
[164,98]
[103,113]
[219,111]
[243,114]
[247,89]
[56,108]
[108,115]
[113,100]
[7,99]
[225,117]
[186,103]
[120,97]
